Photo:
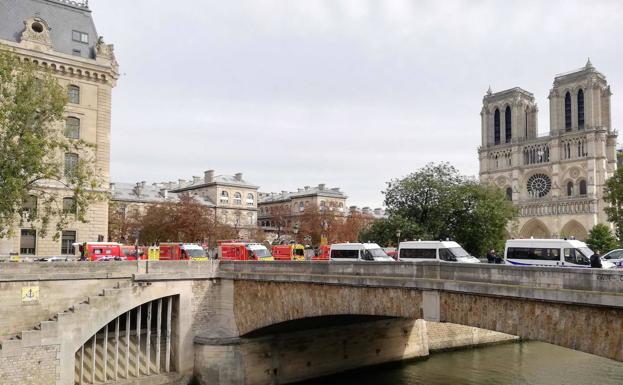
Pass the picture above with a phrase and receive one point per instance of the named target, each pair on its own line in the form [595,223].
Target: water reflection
[525,363]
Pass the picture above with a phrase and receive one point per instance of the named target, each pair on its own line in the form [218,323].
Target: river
[523,363]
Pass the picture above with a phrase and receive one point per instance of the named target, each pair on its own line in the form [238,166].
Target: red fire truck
[244,251]
[323,254]
[100,251]
[180,251]
[289,252]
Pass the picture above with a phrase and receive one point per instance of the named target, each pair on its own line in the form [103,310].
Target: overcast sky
[350,93]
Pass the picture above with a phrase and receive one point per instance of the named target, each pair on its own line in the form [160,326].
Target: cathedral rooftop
[578,72]
[494,96]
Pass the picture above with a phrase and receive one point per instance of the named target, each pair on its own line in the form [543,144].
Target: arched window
[224,198]
[301,207]
[580,109]
[496,127]
[237,198]
[250,199]
[569,188]
[72,128]
[73,94]
[69,205]
[567,112]
[509,193]
[508,124]
[582,187]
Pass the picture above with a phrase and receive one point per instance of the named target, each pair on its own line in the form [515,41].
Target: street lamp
[398,236]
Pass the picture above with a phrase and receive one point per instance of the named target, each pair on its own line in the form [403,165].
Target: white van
[447,251]
[358,252]
[549,252]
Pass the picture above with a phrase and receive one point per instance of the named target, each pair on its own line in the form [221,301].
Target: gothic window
[567,112]
[539,185]
[582,187]
[496,126]
[580,109]
[508,124]
[509,193]
[72,128]
[526,124]
[73,94]
[569,188]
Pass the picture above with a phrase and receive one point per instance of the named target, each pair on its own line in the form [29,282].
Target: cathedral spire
[589,64]
[489,92]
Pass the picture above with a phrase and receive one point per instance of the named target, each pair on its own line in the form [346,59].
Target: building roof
[144,193]
[501,95]
[285,196]
[198,182]
[578,74]
[62,16]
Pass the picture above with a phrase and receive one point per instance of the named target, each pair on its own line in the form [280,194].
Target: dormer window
[80,37]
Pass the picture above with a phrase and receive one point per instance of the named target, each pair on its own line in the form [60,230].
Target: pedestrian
[491,256]
[596,260]
[497,259]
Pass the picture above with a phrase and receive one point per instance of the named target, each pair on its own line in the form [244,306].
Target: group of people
[493,257]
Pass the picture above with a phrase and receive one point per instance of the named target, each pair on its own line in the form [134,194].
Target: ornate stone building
[556,180]
[60,36]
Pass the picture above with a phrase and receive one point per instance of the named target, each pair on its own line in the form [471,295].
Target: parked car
[615,256]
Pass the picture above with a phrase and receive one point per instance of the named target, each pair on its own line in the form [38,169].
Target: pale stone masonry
[555,180]
[60,36]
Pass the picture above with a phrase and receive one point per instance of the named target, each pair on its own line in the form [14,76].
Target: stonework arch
[575,229]
[535,228]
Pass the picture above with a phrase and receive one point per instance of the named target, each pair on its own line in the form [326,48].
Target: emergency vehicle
[323,253]
[289,252]
[100,251]
[244,251]
[182,251]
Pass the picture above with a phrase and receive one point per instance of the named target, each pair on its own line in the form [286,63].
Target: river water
[523,363]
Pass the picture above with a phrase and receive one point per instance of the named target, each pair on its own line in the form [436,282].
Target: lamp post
[398,236]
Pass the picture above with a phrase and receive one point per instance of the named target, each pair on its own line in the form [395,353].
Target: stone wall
[595,330]
[445,336]
[259,304]
[34,365]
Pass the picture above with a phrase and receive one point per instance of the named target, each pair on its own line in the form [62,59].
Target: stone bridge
[157,322]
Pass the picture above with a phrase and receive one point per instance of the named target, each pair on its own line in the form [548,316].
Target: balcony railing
[560,206]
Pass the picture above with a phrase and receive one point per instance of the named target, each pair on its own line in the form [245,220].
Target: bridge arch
[97,318]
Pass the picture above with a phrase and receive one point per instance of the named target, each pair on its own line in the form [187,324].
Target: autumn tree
[123,223]
[280,216]
[349,228]
[315,223]
[34,171]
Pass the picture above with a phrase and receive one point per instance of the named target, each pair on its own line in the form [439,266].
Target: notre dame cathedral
[555,180]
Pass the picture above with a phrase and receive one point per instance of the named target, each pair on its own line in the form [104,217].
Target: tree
[32,153]
[613,196]
[348,229]
[385,231]
[280,216]
[187,220]
[122,223]
[316,223]
[600,238]
[436,202]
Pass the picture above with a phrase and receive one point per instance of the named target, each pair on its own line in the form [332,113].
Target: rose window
[539,185]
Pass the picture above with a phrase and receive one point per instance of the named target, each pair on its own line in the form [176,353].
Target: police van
[549,252]
[358,252]
[447,251]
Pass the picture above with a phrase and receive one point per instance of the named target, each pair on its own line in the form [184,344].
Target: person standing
[491,256]
[596,260]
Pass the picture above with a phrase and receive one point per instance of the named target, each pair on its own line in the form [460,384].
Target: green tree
[33,179]
[613,196]
[385,231]
[601,239]
[436,202]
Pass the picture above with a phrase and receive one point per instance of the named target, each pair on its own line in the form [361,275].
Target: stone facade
[32,31]
[289,206]
[556,180]
[235,200]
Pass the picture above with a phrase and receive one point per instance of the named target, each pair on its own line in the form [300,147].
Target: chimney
[112,187]
[170,185]
[306,188]
[283,192]
[208,176]
[143,183]
[164,193]
[365,210]
[336,189]
[238,176]
[196,179]
[181,182]
[138,189]
[321,186]
[377,211]
[299,189]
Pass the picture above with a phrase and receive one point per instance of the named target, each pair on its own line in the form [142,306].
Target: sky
[350,93]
